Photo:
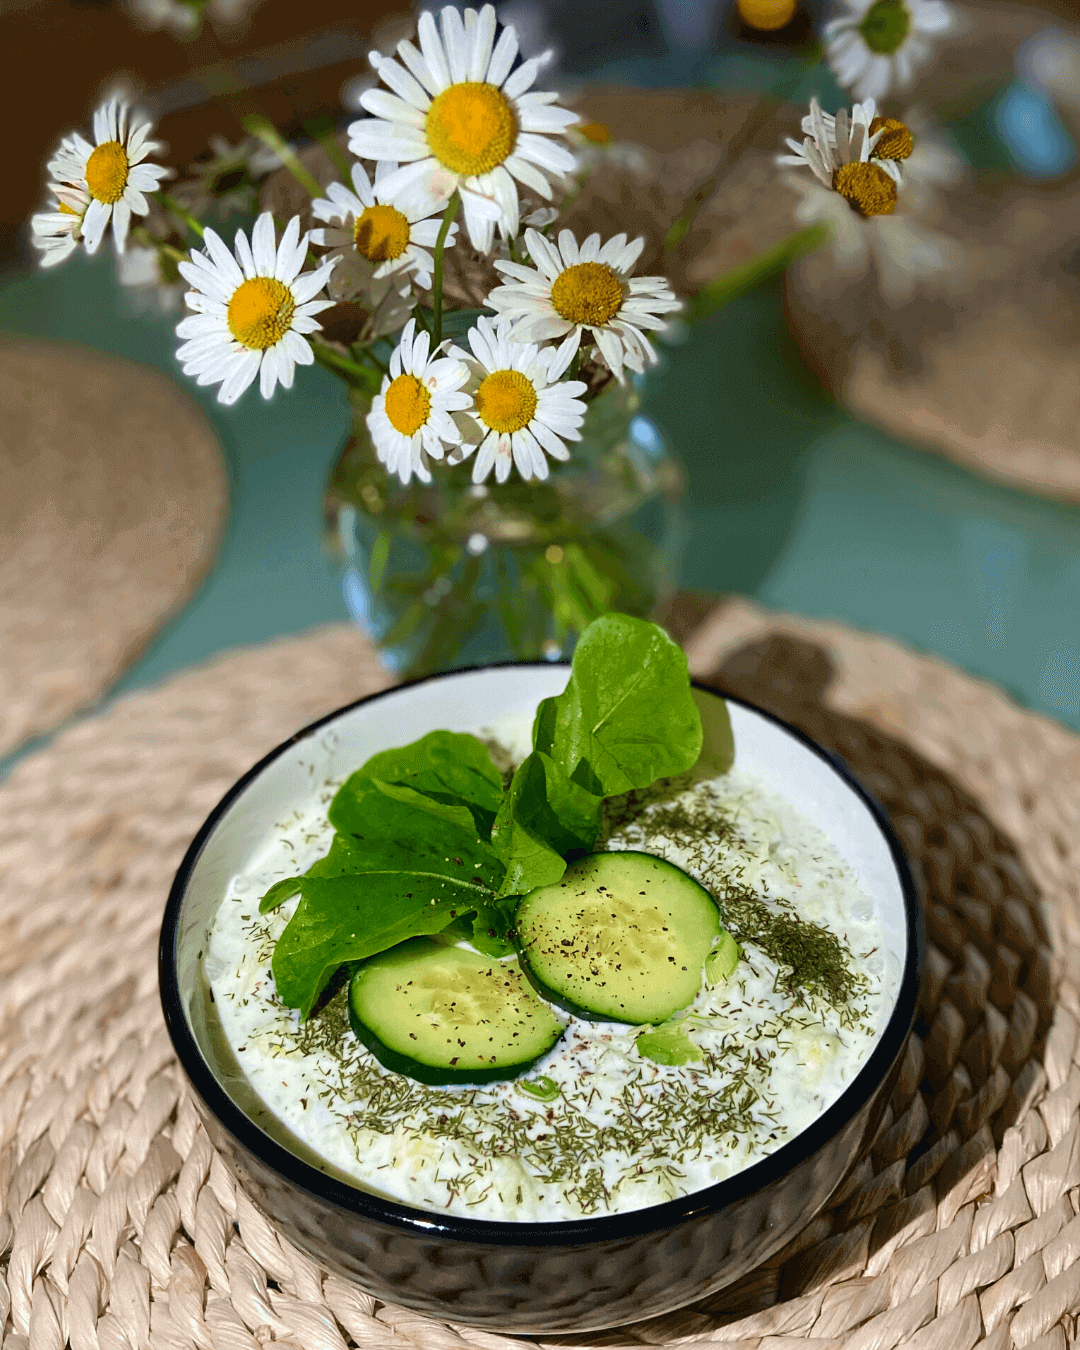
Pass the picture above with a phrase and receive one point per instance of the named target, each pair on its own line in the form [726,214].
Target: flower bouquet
[499,483]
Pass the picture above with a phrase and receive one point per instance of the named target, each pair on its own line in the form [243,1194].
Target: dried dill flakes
[813,962]
[656,1125]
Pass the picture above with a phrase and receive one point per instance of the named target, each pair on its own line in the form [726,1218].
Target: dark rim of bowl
[493,1232]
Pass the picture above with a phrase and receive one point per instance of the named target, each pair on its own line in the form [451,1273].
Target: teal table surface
[792,502]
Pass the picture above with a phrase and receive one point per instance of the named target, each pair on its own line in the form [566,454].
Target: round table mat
[120,1229]
[112,504]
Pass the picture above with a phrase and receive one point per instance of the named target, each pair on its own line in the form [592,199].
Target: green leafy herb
[447,768]
[627,716]
[397,879]
[429,835]
[668,1044]
[722,960]
[278,893]
[545,818]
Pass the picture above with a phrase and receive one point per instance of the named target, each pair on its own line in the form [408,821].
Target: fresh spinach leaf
[279,892]
[342,919]
[627,716]
[489,926]
[545,819]
[448,769]
[717,741]
[668,1044]
[400,867]
[544,725]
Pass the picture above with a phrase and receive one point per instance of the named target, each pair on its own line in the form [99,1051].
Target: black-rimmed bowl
[527,1277]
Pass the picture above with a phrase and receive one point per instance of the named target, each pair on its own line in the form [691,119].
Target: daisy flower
[111,172]
[56,233]
[842,154]
[253,310]
[521,407]
[594,145]
[854,189]
[876,46]
[587,290]
[460,118]
[371,237]
[410,417]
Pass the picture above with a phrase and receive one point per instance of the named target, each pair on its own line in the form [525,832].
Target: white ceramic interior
[463,701]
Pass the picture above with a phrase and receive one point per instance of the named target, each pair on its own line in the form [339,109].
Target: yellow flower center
[868,189]
[506,401]
[471,127]
[381,233]
[896,143]
[66,210]
[107,172]
[407,404]
[595,132]
[766,15]
[588,292]
[260,312]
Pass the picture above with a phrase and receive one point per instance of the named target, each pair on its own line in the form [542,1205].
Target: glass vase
[453,573]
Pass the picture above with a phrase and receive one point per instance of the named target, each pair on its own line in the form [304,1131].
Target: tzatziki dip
[616,1115]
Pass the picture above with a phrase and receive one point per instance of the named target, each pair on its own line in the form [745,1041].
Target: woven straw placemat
[112,503]
[120,1229]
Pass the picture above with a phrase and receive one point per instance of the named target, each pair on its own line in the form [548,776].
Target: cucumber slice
[443,1014]
[622,937]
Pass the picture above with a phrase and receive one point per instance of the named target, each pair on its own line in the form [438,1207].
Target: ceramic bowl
[513,1277]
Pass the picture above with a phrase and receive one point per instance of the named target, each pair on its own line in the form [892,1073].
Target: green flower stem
[174,208]
[321,129]
[437,274]
[380,365]
[731,284]
[356,374]
[264,130]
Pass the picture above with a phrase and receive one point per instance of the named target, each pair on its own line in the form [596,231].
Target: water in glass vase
[454,573]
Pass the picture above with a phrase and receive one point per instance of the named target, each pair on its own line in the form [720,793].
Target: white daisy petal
[240,376]
[525,74]
[503,56]
[392,108]
[94,224]
[371,138]
[482,40]
[422,72]
[403,84]
[545,152]
[455,44]
[432,49]
[526,172]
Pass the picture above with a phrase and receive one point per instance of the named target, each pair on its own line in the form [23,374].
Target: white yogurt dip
[595,1127]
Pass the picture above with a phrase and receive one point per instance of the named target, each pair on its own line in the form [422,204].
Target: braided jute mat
[120,1229]
[112,503]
